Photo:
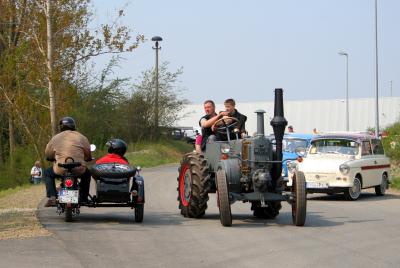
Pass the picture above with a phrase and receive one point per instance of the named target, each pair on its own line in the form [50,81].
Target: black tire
[299,202]
[139,212]
[353,193]
[224,204]
[193,185]
[112,170]
[68,213]
[380,189]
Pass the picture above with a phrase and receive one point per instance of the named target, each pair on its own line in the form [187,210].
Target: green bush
[17,173]
[392,141]
[151,154]
[395,183]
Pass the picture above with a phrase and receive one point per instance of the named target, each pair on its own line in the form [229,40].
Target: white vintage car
[345,163]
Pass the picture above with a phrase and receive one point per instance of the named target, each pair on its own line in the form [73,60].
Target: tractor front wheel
[224,204]
[299,201]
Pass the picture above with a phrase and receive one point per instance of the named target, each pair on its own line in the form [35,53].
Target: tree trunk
[11,138]
[1,148]
[52,95]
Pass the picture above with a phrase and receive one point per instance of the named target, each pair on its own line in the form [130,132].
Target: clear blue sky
[245,49]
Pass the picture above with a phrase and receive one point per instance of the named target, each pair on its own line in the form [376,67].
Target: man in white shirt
[36,173]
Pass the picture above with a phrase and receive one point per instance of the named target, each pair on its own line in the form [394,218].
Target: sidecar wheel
[139,212]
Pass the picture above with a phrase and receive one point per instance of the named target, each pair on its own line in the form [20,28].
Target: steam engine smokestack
[260,122]
[278,124]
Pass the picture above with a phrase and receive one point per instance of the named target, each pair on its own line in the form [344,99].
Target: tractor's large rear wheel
[224,204]
[299,202]
[193,185]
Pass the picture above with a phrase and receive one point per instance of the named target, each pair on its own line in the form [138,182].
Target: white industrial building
[304,116]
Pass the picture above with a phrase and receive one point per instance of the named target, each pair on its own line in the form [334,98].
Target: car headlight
[344,169]
[292,166]
[225,148]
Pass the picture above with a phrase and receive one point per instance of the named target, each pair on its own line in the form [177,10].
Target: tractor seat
[70,166]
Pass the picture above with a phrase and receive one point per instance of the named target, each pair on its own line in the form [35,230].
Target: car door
[368,163]
[381,162]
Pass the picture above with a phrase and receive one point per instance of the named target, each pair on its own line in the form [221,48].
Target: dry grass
[18,213]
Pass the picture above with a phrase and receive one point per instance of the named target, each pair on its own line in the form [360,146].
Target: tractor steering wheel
[228,124]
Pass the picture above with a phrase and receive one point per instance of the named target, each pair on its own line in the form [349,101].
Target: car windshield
[290,145]
[334,146]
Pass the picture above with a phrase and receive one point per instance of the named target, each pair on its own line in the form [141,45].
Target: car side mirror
[300,151]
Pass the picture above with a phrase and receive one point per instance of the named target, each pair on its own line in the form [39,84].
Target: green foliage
[392,142]
[19,173]
[147,154]
[395,183]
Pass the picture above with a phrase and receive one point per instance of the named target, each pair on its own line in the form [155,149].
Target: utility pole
[156,48]
[391,88]
[376,73]
[342,53]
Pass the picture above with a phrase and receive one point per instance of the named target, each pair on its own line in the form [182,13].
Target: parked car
[345,163]
[290,143]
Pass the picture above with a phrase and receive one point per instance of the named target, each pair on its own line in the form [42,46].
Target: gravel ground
[18,214]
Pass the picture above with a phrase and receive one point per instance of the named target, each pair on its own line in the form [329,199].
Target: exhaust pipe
[278,124]
[260,122]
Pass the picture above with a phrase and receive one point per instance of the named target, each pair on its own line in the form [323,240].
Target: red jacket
[112,158]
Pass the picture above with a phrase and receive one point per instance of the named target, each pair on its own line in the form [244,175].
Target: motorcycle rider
[67,143]
[116,151]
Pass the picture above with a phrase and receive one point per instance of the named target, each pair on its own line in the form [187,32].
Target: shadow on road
[364,197]
[284,219]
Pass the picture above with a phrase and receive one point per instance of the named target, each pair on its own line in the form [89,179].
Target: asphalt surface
[338,233]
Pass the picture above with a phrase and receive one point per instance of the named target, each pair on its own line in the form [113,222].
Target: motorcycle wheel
[68,214]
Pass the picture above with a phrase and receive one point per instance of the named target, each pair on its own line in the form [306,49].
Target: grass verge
[147,154]
[18,212]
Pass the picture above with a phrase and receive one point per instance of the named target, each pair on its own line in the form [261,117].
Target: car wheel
[381,188]
[353,193]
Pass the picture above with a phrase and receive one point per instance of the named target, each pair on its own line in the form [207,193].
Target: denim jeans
[50,176]
[37,180]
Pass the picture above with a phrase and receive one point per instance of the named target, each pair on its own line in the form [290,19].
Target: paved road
[338,233]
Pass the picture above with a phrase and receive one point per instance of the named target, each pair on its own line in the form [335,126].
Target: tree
[141,108]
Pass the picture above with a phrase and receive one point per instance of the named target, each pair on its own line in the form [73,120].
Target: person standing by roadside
[36,173]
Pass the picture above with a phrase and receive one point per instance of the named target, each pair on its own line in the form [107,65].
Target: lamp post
[342,53]
[376,73]
[156,48]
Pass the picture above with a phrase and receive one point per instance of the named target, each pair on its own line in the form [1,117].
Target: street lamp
[342,53]
[376,73]
[391,88]
[156,48]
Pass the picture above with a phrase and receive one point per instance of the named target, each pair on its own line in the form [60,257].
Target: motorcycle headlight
[225,148]
[344,169]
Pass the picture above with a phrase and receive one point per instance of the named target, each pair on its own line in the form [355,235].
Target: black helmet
[67,123]
[117,146]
